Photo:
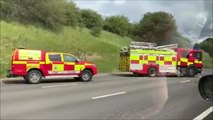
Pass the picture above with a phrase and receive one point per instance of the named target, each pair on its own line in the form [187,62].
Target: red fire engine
[147,58]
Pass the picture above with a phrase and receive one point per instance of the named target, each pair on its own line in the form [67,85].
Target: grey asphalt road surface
[109,96]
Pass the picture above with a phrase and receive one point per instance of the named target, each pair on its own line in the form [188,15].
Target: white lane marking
[185,81]
[204,114]
[61,85]
[108,95]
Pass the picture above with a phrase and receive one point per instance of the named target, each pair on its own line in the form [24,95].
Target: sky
[193,17]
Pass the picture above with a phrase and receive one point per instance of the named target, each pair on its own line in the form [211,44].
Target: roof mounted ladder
[170,46]
[142,45]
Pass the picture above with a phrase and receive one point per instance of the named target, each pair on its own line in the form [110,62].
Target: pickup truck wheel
[191,71]
[34,77]
[86,76]
[152,72]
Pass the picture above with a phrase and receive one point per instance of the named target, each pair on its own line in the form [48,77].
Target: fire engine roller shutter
[167,63]
[135,62]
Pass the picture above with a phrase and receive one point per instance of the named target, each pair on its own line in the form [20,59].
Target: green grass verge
[207,61]
[103,50]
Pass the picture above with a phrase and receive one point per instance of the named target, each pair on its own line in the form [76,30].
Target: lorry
[149,59]
[33,65]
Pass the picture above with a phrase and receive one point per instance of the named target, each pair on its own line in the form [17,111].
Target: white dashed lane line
[204,114]
[185,81]
[108,95]
[60,85]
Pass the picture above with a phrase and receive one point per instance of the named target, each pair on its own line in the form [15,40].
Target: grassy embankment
[207,61]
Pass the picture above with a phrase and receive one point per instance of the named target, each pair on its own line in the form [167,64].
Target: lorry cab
[32,65]
[189,61]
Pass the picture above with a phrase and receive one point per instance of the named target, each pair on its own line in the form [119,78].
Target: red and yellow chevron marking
[55,67]
[186,62]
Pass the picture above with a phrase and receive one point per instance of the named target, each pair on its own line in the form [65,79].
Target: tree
[72,14]
[118,24]
[50,13]
[157,27]
[91,19]
[207,46]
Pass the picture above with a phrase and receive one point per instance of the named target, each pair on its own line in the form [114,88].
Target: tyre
[152,72]
[86,76]
[34,77]
[191,72]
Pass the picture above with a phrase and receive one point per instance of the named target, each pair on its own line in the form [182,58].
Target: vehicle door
[69,64]
[197,55]
[54,64]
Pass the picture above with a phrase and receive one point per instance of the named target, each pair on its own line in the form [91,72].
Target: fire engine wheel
[86,76]
[34,77]
[191,71]
[152,72]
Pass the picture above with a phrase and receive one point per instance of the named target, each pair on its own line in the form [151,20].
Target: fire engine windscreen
[198,55]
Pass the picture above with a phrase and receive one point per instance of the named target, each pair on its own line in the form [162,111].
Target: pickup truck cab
[33,65]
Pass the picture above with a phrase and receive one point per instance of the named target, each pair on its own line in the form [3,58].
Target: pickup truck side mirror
[206,87]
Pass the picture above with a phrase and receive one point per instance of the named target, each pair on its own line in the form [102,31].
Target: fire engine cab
[32,65]
[150,59]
